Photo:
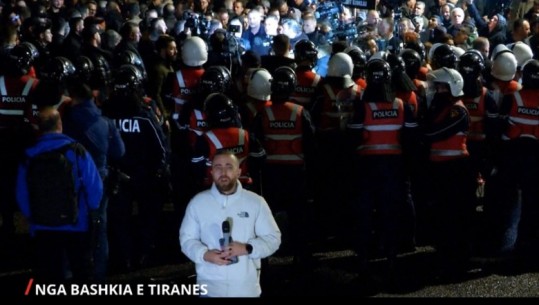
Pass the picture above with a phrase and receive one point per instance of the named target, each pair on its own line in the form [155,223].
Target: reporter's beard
[227,187]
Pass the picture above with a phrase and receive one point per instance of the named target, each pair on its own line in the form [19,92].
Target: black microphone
[226,234]
[227,239]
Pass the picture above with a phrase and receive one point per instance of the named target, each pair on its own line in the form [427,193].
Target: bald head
[49,120]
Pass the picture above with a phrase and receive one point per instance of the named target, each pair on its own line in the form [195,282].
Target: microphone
[227,239]
[226,234]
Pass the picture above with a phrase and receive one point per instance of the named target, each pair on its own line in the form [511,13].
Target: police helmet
[359,59]
[530,74]
[340,64]
[259,86]
[412,61]
[220,110]
[21,58]
[417,46]
[471,64]
[284,81]
[58,69]
[504,63]
[84,68]
[127,79]
[215,79]
[442,55]
[396,63]
[194,51]
[522,52]
[305,50]
[448,76]
[378,72]
[128,57]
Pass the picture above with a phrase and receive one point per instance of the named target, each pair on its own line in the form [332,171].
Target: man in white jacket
[255,234]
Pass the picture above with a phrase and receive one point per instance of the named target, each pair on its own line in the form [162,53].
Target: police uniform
[144,165]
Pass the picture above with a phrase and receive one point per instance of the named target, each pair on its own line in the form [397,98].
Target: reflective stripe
[355,126]
[214,140]
[475,119]
[280,137]
[198,115]
[27,87]
[447,152]
[294,113]
[258,154]
[179,77]
[179,101]
[270,114]
[285,157]
[3,90]
[379,147]
[330,92]
[241,135]
[198,132]
[11,111]
[382,127]
[524,121]
[315,80]
[518,99]
[410,125]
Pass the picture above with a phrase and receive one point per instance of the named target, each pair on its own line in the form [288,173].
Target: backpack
[54,201]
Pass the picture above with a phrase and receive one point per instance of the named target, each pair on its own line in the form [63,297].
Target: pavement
[332,272]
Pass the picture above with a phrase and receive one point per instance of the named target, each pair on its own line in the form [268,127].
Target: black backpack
[54,201]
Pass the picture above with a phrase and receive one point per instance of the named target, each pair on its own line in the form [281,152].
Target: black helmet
[102,72]
[130,58]
[84,68]
[220,110]
[417,46]
[58,69]
[284,81]
[471,64]
[443,56]
[127,79]
[530,74]
[396,63]
[360,61]
[412,61]
[215,79]
[378,72]
[21,58]
[305,50]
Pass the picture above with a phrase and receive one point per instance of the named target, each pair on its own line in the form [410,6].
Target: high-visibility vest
[381,128]
[523,116]
[283,129]
[451,148]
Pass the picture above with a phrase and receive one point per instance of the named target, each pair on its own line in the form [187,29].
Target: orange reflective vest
[186,81]
[453,147]
[334,117]
[283,132]
[14,103]
[306,87]
[381,128]
[523,116]
[477,111]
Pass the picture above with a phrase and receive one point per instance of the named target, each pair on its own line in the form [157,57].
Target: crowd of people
[387,127]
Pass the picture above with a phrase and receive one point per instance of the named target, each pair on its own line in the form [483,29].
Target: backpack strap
[79,151]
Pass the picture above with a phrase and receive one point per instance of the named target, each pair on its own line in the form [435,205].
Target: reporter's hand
[236,249]
[216,257]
